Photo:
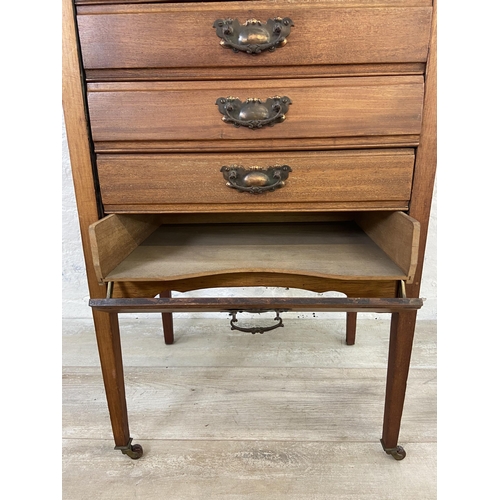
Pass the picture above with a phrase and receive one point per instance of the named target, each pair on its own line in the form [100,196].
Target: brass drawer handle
[253,113]
[258,329]
[253,37]
[255,180]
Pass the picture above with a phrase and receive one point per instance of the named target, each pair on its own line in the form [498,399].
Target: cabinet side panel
[78,140]
[426,158]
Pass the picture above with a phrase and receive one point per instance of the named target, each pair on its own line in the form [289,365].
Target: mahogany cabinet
[252,143]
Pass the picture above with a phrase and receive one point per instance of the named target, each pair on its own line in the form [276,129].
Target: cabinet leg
[350,337]
[108,343]
[400,347]
[167,320]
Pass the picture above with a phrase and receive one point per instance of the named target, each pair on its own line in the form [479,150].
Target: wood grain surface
[330,250]
[230,428]
[252,73]
[256,305]
[182,35]
[259,144]
[333,3]
[221,414]
[115,238]
[358,288]
[396,234]
[327,107]
[175,182]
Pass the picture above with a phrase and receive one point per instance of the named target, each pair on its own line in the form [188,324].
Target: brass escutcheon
[253,36]
[253,113]
[255,180]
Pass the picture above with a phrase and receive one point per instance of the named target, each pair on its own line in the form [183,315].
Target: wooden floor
[290,414]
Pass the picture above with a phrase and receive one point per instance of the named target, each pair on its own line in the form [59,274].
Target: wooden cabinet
[252,143]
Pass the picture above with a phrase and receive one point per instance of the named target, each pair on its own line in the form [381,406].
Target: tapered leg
[167,320]
[108,343]
[400,347]
[350,337]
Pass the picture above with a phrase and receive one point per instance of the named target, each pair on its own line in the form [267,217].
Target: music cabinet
[272,143]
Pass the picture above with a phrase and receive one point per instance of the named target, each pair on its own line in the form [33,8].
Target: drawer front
[326,107]
[340,180]
[182,35]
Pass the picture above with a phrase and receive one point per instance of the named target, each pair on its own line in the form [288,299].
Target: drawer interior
[370,246]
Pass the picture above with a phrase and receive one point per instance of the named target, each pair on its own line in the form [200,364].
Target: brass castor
[397,453]
[134,451]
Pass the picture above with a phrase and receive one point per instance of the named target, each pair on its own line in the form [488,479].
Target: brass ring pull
[255,180]
[253,37]
[257,329]
[253,113]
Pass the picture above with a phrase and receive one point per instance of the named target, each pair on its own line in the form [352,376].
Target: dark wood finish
[343,3]
[252,73]
[359,87]
[170,182]
[110,355]
[106,325]
[400,347]
[426,160]
[259,144]
[253,217]
[361,288]
[109,2]
[177,35]
[79,142]
[203,304]
[327,107]
[288,208]
[167,320]
[351,318]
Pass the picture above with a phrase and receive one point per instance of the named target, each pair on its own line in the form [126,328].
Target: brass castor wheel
[134,451]
[397,453]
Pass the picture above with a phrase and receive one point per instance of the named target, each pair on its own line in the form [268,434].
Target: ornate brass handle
[253,37]
[255,180]
[253,113]
[257,329]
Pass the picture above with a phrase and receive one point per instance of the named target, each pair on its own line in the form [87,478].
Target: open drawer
[371,246]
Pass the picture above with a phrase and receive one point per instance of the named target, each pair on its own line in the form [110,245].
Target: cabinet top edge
[134,6]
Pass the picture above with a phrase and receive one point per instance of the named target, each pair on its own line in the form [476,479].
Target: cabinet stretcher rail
[162,305]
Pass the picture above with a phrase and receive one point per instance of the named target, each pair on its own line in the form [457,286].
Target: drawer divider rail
[205,304]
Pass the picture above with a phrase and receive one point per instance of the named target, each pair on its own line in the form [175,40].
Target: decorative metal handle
[253,113]
[255,180]
[253,37]
[257,329]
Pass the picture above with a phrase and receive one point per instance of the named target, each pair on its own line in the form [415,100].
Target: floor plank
[232,470]
[313,343]
[291,414]
[248,403]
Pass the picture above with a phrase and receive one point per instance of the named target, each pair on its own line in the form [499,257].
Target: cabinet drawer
[320,108]
[342,180]
[373,246]
[183,35]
